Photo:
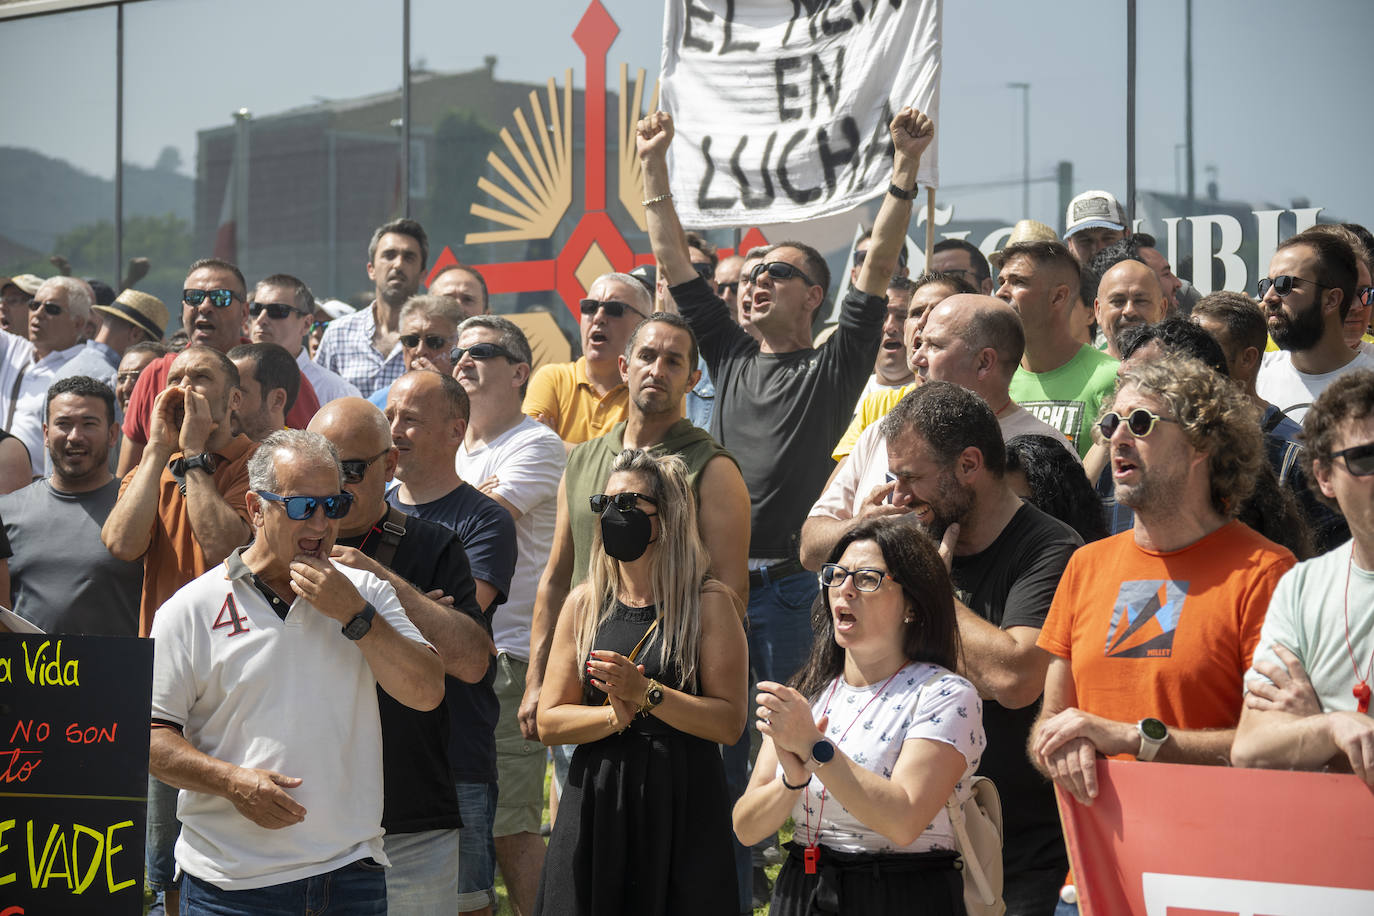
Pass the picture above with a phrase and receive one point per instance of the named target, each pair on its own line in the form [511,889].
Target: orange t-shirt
[1168,635]
[174,555]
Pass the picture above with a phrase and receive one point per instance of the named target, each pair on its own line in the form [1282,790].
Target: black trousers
[877,884]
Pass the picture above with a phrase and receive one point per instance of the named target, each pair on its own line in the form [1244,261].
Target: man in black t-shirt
[780,403]
[426,564]
[948,462]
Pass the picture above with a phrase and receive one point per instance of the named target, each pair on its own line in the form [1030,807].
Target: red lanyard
[813,840]
[1361,689]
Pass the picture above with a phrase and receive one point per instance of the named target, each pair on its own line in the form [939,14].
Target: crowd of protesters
[725,569]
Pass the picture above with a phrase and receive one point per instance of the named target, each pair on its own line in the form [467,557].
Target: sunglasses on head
[355,469]
[622,501]
[614,308]
[300,508]
[780,270]
[432,341]
[484,351]
[219,298]
[865,579]
[1139,423]
[1359,459]
[275,310]
[1283,285]
[52,308]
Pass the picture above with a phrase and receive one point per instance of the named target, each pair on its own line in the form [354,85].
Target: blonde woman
[647,675]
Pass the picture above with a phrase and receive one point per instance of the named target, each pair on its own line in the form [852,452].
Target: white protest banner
[781,107]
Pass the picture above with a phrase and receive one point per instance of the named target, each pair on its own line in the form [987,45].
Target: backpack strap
[393,530]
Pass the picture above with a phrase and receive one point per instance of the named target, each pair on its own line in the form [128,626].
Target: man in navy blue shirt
[428,413]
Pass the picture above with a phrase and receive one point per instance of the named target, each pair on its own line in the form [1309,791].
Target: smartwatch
[1153,734]
[205,461]
[653,695]
[357,628]
[822,752]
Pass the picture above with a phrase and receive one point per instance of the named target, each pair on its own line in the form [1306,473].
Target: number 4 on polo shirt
[229,616]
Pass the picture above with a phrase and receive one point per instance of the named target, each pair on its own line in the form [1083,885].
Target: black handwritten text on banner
[781,106]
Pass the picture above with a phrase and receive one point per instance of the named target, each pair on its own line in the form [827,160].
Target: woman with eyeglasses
[647,674]
[870,740]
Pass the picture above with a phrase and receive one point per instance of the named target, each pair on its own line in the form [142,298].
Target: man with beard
[364,347]
[214,307]
[270,381]
[948,462]
[1128,295]
[61,576]
[1153,629]
[1309,290]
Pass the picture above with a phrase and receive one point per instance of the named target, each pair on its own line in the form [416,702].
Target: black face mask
[626,534]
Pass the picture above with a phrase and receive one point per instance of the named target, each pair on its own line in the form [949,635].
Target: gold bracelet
[659,199]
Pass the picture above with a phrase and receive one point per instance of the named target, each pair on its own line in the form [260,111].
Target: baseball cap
[334,308]
[1092,210]
[139,309]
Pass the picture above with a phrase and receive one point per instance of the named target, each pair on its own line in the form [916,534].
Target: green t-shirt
[1069,398]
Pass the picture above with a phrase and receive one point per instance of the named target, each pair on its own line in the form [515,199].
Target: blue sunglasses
[300,508]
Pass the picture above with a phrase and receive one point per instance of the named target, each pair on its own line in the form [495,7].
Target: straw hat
[1027,230]
[139,309]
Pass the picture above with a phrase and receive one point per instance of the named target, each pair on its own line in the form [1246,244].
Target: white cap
[1092,210]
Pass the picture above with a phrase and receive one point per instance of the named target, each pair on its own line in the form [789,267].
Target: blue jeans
[476,849]
[356,889]
[779,643]
[423,878]
[162,832]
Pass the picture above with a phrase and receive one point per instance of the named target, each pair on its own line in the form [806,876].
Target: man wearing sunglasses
[585,398]
[429,329]
[781,403]
[1308,693]
[428,413]
[423,561]
[363,347]
[1310,288]
[1152,629]
[518,462]
[281,312]
[214,309]
[297,648]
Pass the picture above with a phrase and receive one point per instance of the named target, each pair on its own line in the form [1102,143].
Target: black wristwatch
[904,195]
[205,461]
[357,628]
[822,752]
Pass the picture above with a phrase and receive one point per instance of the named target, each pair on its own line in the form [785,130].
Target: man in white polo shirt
[265,703]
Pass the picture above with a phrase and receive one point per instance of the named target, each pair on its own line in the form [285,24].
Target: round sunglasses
[300,508]
[1139,423]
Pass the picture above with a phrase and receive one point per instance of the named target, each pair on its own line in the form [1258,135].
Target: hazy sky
[1278,84]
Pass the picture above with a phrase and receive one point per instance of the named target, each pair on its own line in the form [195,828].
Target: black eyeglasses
[614,308]
[483,351]
[704,271]
[1283,285]
[866,579]
[622,501]
[300,508]
[275,310]
[355,469]
[52,308]
[730,287]
[1366,295]
[432,341]
[1359,459]
[1140,423]
[219,298]
[780,270]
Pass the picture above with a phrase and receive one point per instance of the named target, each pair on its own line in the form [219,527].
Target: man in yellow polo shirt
[583,399]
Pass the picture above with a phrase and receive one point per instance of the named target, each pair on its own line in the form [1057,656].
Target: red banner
[1173,840]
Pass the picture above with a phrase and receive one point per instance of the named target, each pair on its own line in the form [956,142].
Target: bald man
[1129,294]
[971,340]
[420,559]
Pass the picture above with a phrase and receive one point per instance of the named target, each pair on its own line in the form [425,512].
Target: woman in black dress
[647,675]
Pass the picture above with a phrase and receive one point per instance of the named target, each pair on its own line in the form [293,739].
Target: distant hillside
[45,197]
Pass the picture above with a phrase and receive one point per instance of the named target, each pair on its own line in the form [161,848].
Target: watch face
[656,695]
[1154,729]
[823,751]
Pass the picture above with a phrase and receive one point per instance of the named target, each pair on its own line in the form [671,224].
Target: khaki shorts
[520,763]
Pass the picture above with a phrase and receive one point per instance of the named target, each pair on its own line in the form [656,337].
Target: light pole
[1025,146]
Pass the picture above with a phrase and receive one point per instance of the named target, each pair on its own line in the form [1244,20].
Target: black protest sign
[73,773]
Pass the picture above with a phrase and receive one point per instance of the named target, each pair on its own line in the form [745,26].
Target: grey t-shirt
[62,578]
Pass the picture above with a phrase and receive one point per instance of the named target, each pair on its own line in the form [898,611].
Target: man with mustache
[1309,290]
[214,309]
